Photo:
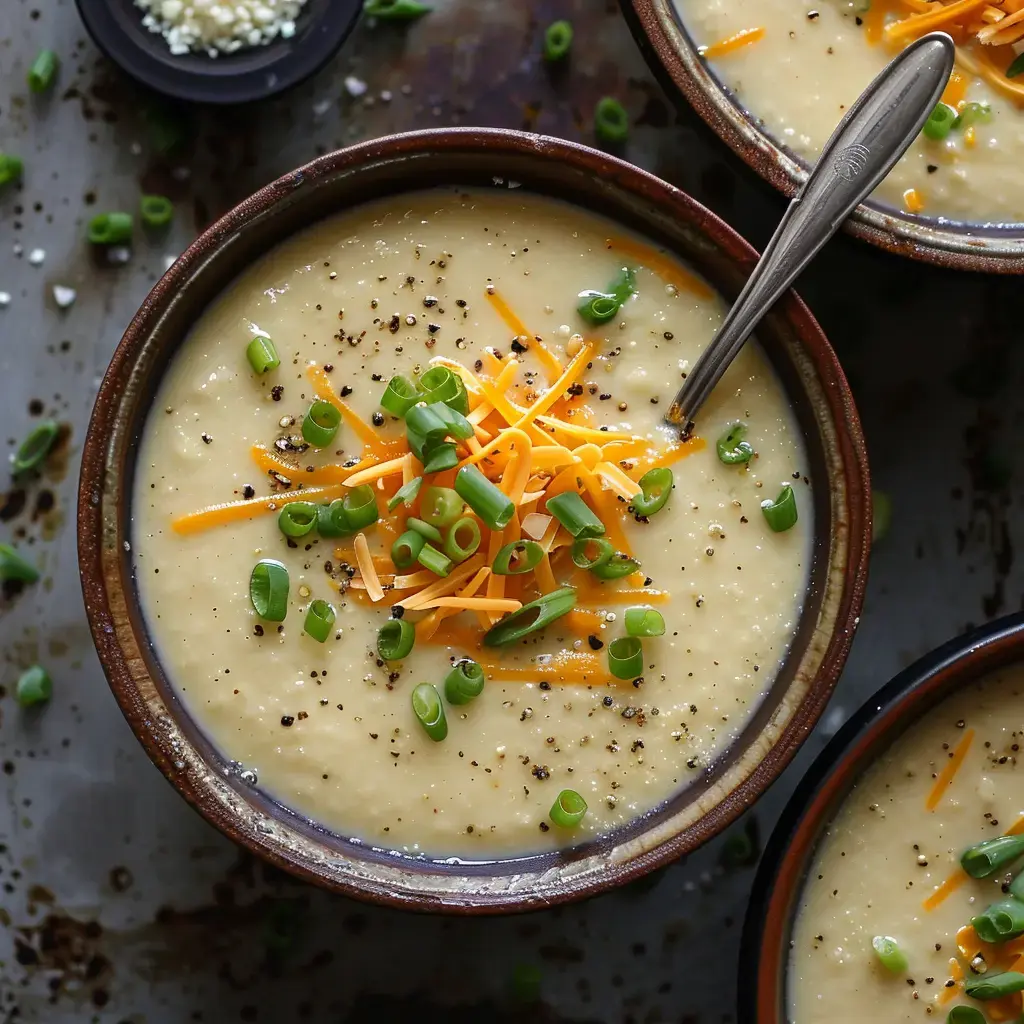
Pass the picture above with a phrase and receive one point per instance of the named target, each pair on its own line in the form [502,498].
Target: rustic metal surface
[117,904]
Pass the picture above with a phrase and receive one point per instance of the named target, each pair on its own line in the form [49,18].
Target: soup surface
[437,278]
[889,865]
[813,60]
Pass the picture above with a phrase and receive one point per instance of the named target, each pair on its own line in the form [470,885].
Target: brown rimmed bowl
[487,159]
[673,57]
[764,956]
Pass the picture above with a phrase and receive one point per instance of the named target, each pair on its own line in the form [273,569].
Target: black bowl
[253,73]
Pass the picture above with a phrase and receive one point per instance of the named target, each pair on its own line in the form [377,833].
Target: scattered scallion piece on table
[156,211]
[11,169]
[33,450]
[298,518]
[400,395]
[993,986]
[320,424]
[114,228]
[889,954]
[568,810]
[464,682]
[406,549]
[592,552]
[463,539]
[320,618]
[531,617]
[617,567]
[427,707]
[360,508]
[626,657]
[43,72]
[733,447]
[14,567]
[525,983]
[396,10]
[965,1015]
[655,487]
[426,530]
[990,855]
[436,561]
[517,557]
[34,686]
[1016,66]
[557,41]
[611,122]
[395,639]
[262,354]
[1001,921]
[644,622]
[575,515]
[940,123]
[781,514]
[268,590]
[406,494]
[489,502]
[440,506]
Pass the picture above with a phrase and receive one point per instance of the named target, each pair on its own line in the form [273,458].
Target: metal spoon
[873,135]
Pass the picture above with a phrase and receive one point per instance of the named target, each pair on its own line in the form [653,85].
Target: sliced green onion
[618,566]
[34,686]
[463,539]
[156,211]
[439,384]
[298,518]
[516,558]
[599,307]
[939,123]
[655,487]
[400,395]
[458,426]
[464,682]
[626,657]
[11,169]
[582,548]
[396,10]
[557,41]
[436,561]
[110,229]
[990,855]
[427,706]
[268,590]
[781,514]
[406,549]
[360,507]
[733,448]
[262,355]
[644,622]
[43,72]
[1017,887]
[321,423]
[440,506]
[332,520]
[439,457]
[14,567]
[34,449]
[973,113]
[994,986]
[568,809]
[965,1015]
[531,617]
[1001,921]
[1016,66]
[889,954]
[427,531]
[319,620]
[491,504]
[425,428]
[575,515]
[611,122]
[395,639]
[406,494]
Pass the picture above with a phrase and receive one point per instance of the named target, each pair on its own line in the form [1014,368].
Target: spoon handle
[871,137]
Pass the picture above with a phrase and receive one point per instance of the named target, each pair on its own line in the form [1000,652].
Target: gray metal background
[117,903]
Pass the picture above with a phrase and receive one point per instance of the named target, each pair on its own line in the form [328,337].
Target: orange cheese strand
[324,389]
[502,308]
[955,91]
[568,377]
[956,975]
[483,604]
[564,667]
[673,453]
[918,24]
[948,773]
[266,460]
[724,47]
[598,595]
[661,264]
[913,201]
[551,363]
[238,511]
[979,62]
[607,508]
[948,887]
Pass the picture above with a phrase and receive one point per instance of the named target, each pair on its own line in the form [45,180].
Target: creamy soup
[798,66]
[889,866]
[485,285]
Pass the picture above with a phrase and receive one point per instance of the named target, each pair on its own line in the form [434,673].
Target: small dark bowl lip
[254,73]
[764,951]
[104,605]
[972,246]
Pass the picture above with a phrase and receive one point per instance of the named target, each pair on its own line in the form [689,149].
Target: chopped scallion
[575,515]
[655,487]
[463,539]
[400,396]
[781,514]
[644,622]
[531,617]
[611,122]
[113,228]
[568,810]
[156,211]
[733,447]
[464,682]
[268,590]
[889,954]
[436,561]
[298,518]
[428,709]
[406,549]
[557,41]
[33,450]
[320,620]
[517,557]
[320,423]
[490,503]
[395,639]
[406,494]
[262,354]
[43,72]
[34,687]
[14,567]
[626,657]
[440,506]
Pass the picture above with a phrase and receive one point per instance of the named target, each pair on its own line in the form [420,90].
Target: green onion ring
[568,810]
[427,707]
[626,657]
[431,533]
[114,228]
[611,122]
[989,856]
[440,506]
[458,426]
[993,986]
[889,954]
[156,211]
[395,639]
[34,686]
[400,395]
[517,557]
[406,494]
[490,503]
[320,424]
[644,622]
[733,448]
[436,561]
[531,617]
[262,355]
[580,552]
[655,487]
[457,546]
[332,520]
[43,72]
[268,590]
[34,449]
[439,457]
[319,620]
[11,168]
[781,514]
[964,1014]
[464,682]
[406,549]
[618,566]
[557,41]
[298,518]
[575,515]
[440,384]
[360,508]
[1001,921]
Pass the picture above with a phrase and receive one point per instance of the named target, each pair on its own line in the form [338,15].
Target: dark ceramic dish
[254,73]
[780,878]
[487,159]
[673,57]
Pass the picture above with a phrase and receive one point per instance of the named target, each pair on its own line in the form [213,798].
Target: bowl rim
[266,70]
[106,607]
[675,61]
[875,725]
